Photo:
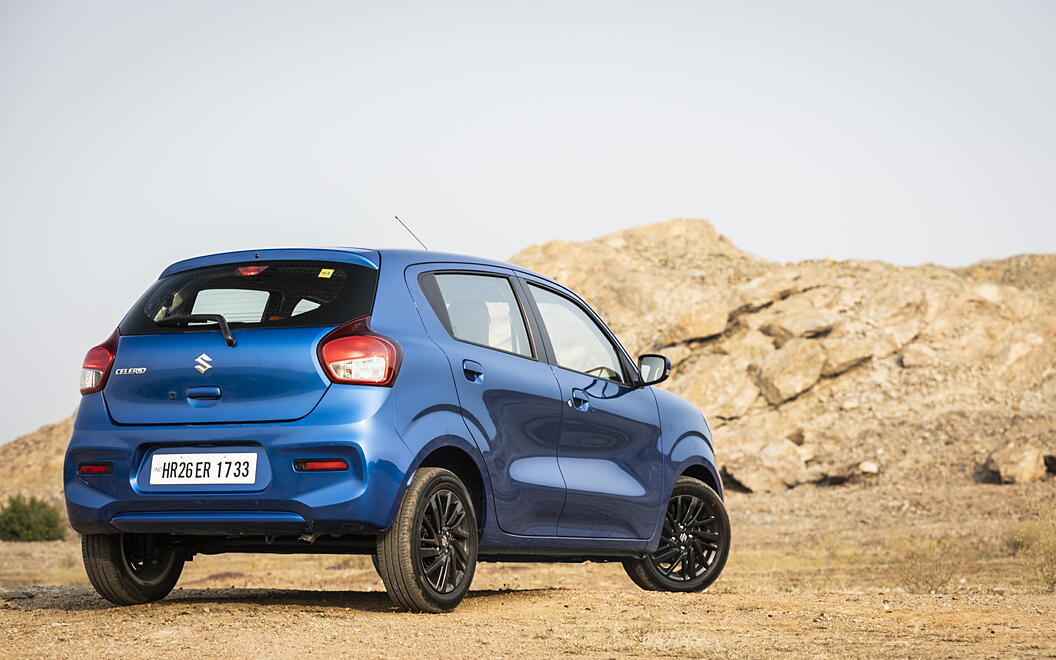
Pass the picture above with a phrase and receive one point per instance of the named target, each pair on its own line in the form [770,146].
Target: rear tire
[130,569]
[694,542]
[428,556]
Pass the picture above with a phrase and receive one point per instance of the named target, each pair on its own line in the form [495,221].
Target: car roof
[361,256]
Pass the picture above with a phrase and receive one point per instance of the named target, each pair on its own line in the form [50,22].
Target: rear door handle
[579,400]
[473,372]
[203,392]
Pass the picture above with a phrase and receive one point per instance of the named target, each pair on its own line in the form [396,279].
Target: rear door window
[479,309]
[273,294]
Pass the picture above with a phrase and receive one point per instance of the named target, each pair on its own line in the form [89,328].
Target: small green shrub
[30,519]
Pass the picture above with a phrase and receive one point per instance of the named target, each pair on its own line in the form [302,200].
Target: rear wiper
[180,319]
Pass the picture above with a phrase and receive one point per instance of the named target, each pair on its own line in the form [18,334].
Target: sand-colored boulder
[791,370]
[765,290]
[1020,347]
[750,345]
[719,385]
[842,353]
[918,355]
[1018,462]
[705,319]
[761,465]
[807,323]
[899,311]
[677,354]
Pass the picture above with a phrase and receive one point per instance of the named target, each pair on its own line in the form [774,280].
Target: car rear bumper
[350,423]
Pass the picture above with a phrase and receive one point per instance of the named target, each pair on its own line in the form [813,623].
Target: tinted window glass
[578,342]
[481,309]
[235,305]
[262,294]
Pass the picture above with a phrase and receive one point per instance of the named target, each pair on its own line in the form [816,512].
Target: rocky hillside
[824,371]
[32,464]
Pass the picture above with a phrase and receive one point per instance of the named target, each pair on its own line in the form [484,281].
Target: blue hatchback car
[429,410]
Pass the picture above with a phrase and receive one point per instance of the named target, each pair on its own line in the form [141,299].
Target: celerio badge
[202,363]
[130,371]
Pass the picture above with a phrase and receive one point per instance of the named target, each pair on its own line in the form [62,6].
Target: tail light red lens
[96,367]
[356,355]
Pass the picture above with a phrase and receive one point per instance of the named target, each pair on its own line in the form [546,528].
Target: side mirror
[653,368]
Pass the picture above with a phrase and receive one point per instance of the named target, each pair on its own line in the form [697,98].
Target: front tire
[130,569]
[428,556]
[694,542]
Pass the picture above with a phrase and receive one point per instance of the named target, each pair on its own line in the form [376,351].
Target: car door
[507,392]
[609,451]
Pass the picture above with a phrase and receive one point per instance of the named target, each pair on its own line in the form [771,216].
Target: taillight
[355,354]
[97,363]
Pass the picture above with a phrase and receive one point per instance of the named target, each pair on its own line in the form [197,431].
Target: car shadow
[79,599]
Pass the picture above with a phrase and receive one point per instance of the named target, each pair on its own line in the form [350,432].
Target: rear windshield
[259,294]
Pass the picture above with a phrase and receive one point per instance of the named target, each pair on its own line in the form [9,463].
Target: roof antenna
[402,224]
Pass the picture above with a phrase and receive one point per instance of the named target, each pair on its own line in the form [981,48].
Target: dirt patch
[814,571]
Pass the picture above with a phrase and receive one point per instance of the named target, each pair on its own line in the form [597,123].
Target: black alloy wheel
[428,557]
[694,542]
[443,541]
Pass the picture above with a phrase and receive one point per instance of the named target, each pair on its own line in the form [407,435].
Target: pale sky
[137,133]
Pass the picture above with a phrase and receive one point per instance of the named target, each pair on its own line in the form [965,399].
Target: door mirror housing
[653,368]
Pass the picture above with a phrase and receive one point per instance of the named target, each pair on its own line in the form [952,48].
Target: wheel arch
[705,473]
[461,461]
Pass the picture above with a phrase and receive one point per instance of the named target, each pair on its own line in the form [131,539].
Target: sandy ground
[814,572]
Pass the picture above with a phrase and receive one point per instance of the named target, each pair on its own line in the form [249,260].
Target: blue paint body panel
[270,375]
[555,480]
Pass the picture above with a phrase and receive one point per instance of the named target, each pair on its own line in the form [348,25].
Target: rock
[842,353]
[918,355]
[868,467]
[1018,462]
[764,290]
[791,370]
[762,466]
[676,353]
[750,345]
[808,323]
[1022,347]
[899,310]
[721,386]
[701,320]
[989,292]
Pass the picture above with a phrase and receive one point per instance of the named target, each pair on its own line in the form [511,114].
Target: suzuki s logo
[203,361]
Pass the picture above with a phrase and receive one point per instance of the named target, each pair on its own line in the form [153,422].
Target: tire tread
[101,554]
[638,569]
[395,554]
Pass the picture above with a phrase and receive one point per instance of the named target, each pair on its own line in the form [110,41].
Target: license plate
[234,468]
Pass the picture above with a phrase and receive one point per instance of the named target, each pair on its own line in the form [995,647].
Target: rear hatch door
[172,371]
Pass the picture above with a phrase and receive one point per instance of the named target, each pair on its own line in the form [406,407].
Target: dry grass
[925,566]
[1034,544]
